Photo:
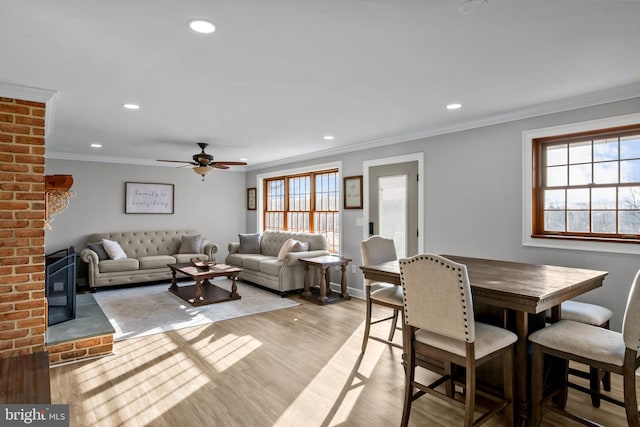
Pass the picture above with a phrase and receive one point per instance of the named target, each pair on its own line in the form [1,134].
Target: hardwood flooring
[295,367]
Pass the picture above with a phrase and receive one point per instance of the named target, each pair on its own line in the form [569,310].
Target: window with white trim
[586,185]
[308,202]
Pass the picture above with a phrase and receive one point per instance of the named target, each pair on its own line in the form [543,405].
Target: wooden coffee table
[203,291]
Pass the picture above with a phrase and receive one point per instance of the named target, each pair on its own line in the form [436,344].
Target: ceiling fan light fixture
[202,170]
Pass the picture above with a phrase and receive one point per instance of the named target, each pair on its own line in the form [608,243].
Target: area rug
[151,309]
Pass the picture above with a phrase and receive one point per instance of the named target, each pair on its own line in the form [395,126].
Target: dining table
[515,295]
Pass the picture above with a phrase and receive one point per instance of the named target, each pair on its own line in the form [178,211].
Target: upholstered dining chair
[596,315]
[594,346]
[377,250]
[439,323]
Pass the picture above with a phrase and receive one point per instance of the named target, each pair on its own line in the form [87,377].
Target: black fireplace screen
[60,285]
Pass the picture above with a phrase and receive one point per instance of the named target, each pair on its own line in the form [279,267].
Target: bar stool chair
[439,323]
[377,250]
[595,315]
[597,347]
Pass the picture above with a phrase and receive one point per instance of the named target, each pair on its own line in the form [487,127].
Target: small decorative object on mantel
[57,191]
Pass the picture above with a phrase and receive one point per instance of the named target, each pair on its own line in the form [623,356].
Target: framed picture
[353,192]
[148,198]
[251,199]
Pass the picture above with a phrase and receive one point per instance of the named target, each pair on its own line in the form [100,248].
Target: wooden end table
[324,263]
[203,291]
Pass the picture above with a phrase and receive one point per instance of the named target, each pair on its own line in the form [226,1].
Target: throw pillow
[113,249]
[99,250]
[300,246]
[285,249]
[249,243]
[190,244]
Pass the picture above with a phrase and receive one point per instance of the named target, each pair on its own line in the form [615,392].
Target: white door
[393,205]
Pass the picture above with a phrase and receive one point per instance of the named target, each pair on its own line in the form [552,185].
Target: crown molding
[33,94]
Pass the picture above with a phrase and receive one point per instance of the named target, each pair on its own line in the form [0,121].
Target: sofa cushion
[155,261]
[113,249]
[300,246]
[190,244]
[249,243]
[271,266]
[287,246]
[113,265]
[252,262]
[99,250]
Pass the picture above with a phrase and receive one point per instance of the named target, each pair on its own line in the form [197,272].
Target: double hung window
[587,185]
[307,202]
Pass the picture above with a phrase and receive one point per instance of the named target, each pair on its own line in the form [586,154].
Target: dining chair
[439,323]
[377,250]
[610,351]
[596,315]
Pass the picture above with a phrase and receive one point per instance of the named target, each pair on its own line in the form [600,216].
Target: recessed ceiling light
[202,26]
[454,106]
[244,159]
[95,145]
[131,106]
[328,137]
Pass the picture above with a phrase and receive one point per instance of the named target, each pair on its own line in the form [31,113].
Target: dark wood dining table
[518,292]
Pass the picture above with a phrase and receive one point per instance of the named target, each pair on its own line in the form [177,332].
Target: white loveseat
[260,264]
[147,255]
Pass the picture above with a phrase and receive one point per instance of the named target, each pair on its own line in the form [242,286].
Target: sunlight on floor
[334,403]
[223,352]
[141,388]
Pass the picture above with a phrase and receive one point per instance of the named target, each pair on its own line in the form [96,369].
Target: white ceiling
[276,76]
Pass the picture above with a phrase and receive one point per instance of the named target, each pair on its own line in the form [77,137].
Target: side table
[324,263]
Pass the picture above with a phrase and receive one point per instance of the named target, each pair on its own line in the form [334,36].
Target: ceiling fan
[203,162]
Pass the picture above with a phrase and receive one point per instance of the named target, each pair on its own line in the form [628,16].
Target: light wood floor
[295,367]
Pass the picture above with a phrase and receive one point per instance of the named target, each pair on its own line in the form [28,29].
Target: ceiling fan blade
[231,163]
[178,161]
[219,166]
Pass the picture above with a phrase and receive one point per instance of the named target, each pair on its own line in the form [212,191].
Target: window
[307,202]
[586,185]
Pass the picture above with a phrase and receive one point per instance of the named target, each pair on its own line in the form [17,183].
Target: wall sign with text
[143,197]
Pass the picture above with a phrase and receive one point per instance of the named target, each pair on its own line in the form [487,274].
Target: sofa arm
[92,260]
[211,249]
[233,247]
[293,257]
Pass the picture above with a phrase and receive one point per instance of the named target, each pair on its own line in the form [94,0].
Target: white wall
[473,200]
[215,207]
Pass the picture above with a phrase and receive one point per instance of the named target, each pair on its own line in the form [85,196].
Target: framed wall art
[251,199]
[353,192]
[148,198]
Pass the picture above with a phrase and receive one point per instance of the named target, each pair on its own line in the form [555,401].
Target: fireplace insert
[60,285]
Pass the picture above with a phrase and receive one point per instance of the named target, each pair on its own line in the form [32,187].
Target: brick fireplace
[22,232]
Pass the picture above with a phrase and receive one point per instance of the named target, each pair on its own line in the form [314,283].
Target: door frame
[419,157]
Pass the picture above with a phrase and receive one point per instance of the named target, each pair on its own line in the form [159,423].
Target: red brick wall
[22,300]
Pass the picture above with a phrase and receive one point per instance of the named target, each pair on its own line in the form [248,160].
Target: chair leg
[367,325]
[537,366]
[594,386]
[410,372]
[629,385]
[606,381]
[469,394]
[394,323]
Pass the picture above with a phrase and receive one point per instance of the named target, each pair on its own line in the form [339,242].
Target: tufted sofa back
[271,241]
[137,244]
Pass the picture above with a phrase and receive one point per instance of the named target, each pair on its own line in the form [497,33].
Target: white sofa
[261,265]
[147,256]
